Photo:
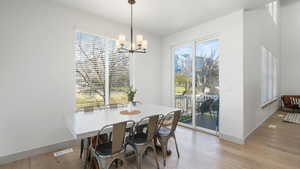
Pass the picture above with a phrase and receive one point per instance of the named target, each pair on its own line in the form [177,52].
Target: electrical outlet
[272,126]
[62,152]
[280,115]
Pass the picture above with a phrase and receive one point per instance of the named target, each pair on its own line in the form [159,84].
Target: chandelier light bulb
[139,39]
[133,46]
[145,44]
[118,44]
[122,38]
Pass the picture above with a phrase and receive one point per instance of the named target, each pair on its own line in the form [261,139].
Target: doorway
[196,84]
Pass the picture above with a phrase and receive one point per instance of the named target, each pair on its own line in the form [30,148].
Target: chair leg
[81,147]
[164,148]
[88,160]
[124,163]
[139,159]
[176,146]
[87,154]
[155,140]
[117,163]
[155,155]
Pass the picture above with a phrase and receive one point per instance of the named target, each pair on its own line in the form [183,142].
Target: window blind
[118,75]
[269,87]
[102,74]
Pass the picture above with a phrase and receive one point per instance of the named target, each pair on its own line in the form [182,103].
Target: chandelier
[139,46]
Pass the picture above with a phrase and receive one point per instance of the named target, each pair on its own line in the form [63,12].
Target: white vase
[130,107]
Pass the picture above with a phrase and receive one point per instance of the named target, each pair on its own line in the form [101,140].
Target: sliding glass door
[197,83]
[183,57]
[207,84]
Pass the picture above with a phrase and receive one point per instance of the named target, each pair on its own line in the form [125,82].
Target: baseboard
[232,139]
[37,151]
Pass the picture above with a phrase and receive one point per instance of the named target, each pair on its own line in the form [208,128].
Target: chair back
[152,127]
[118,135]
[175,120]
[171,119]
[150,123]
[117,131]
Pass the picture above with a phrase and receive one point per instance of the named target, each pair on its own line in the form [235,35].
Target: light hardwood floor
[265,149]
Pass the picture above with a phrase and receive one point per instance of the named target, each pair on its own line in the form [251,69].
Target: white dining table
[87,124]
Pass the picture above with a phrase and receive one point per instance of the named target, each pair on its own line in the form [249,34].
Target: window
[269,76]
[102,74]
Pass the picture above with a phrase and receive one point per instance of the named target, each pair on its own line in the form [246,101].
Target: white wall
[259,30]
[230,33]
[37,80]
[290,40]
[36,70]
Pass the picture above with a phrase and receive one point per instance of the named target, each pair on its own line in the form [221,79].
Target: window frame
[269,77]
[131,66]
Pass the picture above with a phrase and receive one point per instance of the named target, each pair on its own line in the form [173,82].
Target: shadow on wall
[288,2]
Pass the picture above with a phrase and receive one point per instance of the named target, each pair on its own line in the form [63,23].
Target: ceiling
[162,17]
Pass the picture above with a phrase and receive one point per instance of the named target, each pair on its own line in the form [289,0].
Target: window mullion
[106,75]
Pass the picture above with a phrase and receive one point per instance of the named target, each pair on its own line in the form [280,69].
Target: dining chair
[114,149]
[143,138]
[91,141]
[166,130]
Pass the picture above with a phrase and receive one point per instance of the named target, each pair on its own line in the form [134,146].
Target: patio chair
[114,149]
[142,138]
[165,132]
[205,107]
[215,106]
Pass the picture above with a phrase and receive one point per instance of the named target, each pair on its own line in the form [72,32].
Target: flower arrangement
[130,94]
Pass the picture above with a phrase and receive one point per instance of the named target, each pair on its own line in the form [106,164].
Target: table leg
[86,153]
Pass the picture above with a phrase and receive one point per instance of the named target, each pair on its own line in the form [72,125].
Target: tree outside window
[102,74]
